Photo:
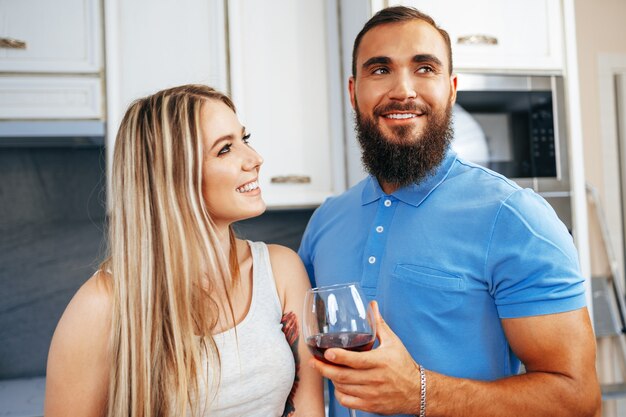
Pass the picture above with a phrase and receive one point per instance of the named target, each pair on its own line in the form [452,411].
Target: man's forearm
[532,394]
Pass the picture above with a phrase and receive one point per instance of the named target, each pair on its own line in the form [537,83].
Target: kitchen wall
[601,32]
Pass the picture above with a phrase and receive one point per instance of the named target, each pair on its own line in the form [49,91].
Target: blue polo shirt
[446,260]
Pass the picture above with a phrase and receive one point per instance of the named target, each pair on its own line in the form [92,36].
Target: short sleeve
[305,251]
[531,260]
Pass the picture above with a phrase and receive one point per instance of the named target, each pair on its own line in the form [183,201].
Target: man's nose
[403,87]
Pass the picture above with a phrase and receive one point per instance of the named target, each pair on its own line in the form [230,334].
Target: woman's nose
[252,160]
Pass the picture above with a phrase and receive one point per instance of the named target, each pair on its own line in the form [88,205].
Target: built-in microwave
[511,123]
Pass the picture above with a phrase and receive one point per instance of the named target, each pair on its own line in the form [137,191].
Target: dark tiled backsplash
[42,185]
[51,227]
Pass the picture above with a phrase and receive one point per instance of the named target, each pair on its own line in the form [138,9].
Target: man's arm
[558,351]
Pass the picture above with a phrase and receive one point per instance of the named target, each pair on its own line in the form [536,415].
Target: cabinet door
[152,45]
[50,36]
[279,84]
[500,35]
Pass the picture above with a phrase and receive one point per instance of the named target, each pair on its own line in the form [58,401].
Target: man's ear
[453,81]
[351,88]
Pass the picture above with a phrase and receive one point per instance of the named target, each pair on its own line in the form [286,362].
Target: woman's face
[231,167]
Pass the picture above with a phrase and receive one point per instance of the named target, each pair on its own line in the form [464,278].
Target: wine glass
[338,316]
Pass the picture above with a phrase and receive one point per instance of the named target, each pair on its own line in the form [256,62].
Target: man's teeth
[248,187]
[400,116]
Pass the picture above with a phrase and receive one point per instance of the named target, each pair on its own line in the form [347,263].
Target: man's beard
[404,160]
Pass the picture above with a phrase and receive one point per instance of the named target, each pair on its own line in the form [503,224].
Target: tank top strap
[263,279]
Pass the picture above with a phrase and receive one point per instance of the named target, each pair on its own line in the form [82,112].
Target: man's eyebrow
[376,60]
[427,58]
[419,59]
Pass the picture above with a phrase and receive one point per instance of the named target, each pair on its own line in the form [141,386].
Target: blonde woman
[183,319]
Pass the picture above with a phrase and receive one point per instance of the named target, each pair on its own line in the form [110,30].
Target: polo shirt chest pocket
[427,290]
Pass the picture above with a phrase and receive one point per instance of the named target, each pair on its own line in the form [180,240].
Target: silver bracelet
[422,392]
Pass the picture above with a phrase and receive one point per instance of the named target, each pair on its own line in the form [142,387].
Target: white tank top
[257,365]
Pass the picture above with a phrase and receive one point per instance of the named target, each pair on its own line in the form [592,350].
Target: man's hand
[384,380]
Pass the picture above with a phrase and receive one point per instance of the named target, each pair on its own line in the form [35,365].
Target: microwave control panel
[518,128]
[543,148]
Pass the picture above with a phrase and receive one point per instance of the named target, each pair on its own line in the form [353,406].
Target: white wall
[601,35]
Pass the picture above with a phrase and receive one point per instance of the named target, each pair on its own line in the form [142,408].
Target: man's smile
[401,116]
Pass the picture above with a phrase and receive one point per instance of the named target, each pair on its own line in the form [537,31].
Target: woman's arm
[307,398]
[77,376]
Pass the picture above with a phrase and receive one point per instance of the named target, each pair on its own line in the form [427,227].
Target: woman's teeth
[248,187]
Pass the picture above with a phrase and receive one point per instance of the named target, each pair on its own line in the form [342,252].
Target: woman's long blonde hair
[164,257]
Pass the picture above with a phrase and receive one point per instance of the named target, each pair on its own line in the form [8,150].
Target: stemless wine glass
[338,316]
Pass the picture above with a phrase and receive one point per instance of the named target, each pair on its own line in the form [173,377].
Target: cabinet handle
[291,179]
[477,40]
[10,43]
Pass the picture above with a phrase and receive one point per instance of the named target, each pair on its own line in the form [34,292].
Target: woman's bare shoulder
[79,360]
[289,273]
[284,260]
[87,317]
[95,295]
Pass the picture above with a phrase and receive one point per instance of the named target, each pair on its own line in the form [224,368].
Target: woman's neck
[223,235]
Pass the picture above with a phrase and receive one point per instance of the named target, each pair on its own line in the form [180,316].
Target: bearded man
[473,275]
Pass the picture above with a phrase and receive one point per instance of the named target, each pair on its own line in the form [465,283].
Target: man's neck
[388,188]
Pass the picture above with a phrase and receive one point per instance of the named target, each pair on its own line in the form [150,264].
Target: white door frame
[613,152]
[614,182]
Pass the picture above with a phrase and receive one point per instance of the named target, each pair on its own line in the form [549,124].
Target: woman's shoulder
[79,360]
[89,311]
[280,256]
[289,273]
[96,293]
[283,256]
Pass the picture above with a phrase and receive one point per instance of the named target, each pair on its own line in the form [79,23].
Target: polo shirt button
[387,203]
[372,259]
[379,229]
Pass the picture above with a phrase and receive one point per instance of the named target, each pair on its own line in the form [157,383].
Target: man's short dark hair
[394,15]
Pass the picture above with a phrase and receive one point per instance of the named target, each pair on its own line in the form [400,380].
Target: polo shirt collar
[412,194]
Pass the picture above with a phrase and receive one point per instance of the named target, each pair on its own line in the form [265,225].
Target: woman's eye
[246,138]
[225,149]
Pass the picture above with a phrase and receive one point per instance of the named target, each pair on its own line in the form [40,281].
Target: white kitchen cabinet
[155,45]
[272,61]
[152,45]
[502,36]
[50,59]
[279,80]
[57,36]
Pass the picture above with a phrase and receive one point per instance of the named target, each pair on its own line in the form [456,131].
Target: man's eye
[225,149]
[425,69]
[380,71]
[246,138]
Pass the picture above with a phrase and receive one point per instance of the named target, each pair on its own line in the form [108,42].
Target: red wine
[354,341]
